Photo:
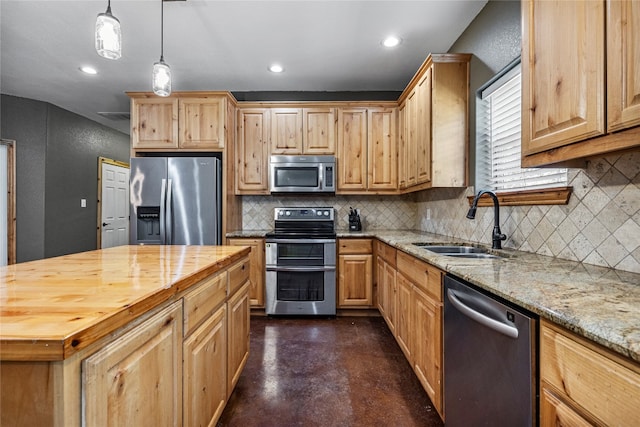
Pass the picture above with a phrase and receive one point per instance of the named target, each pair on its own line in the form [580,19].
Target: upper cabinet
[434,125]
[297,131]
[367,150]
[252,151]
[575,94]
[188,120]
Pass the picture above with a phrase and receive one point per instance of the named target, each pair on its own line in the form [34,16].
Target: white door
[4,231]
[114,222]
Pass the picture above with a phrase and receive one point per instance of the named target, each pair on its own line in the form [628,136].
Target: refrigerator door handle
[169,217]
[163,205]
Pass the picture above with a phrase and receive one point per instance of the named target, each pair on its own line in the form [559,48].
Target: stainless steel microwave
[302,174]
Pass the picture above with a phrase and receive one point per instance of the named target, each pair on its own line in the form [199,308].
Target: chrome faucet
[497,236]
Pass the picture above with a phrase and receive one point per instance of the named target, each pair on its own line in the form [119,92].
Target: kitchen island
[100,337]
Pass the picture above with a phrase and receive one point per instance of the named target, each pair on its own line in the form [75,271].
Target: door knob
[104,224]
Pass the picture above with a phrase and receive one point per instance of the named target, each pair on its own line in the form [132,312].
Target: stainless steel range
[301,262]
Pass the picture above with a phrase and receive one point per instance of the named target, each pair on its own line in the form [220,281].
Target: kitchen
[568,232]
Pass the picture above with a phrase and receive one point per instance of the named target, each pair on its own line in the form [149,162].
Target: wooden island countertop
[51,308]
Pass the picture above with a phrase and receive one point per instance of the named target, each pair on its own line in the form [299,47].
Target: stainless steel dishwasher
[489,359]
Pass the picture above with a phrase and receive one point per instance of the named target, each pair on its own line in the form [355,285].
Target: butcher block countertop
[51,308]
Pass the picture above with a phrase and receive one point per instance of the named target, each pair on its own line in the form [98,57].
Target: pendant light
[108,35]
[161,72]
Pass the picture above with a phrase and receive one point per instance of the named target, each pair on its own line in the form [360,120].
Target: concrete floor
[344,371]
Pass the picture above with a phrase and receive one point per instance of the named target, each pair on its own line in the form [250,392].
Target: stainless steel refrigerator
[175,201]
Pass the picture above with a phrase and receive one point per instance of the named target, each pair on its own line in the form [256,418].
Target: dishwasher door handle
[497,326]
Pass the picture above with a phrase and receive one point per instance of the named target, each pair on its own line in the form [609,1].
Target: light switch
[83,203]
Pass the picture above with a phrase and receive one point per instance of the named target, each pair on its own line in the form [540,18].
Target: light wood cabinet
[238,309]
[367,151]
[135,380]
[386,282]
[427,345]
[355,273]
[201,121]
[319,130]
[154,122]
[184,121]
[582,383]
[403,316]
[252,151]
[435,124]
[308,130]
[576,93]
[286,130]
[257,274]
[205,371]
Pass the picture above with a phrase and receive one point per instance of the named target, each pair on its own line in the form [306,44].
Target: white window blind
[498,143]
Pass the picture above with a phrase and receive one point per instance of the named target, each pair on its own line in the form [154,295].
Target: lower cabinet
[205,371]
[582,384]
[257,259]
[410,300]
[355,273]
[136,379]
[238,330]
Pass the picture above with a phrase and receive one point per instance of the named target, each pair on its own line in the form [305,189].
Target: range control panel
[304,214]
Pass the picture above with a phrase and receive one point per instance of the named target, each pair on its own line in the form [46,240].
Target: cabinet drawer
[423,275]
[238,274]
[355,246]
[201,302]
[601,383]
[386,252]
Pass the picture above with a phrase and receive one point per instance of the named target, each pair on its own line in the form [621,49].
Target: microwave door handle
[321,177]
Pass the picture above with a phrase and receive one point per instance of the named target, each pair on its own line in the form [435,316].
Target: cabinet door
[423,131]
[403,322]
[382,149]
[563,94]
[355,282]
[205,371]
[411,148]
[137,379]
[427,345]
[380,288]
[319,130]
[154,122]
[286,130]
[352,149]
[554,412]
[402,147]
[257,260]
[202,122]
[238,333]
[252,152]
[623,64]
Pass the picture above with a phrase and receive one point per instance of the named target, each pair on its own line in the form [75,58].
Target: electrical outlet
[83,203]
[428,214]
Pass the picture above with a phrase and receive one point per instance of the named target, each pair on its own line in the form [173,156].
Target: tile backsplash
[600,225]
[376,212]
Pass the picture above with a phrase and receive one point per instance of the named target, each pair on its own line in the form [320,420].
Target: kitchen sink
[458,251]
[452,249]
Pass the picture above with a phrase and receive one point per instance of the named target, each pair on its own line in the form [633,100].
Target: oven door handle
[302,269]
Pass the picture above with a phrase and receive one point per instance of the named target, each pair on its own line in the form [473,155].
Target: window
[498,146]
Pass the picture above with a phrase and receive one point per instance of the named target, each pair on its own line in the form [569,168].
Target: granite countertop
[51,308]
[601,304]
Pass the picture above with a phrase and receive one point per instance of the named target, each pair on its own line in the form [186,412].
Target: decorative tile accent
[600,225]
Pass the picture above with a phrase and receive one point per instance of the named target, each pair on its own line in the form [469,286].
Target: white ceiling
[220,45]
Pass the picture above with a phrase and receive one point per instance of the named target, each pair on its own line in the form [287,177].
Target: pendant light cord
[161,31]
[108,7]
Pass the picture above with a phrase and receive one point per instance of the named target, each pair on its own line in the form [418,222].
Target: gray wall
[494,39]
[57,165]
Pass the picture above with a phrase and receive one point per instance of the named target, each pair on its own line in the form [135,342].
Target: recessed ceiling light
[391,41]
[88,70]
[276,68]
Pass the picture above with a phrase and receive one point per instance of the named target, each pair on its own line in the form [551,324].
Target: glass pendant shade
[108,35]
[161,78]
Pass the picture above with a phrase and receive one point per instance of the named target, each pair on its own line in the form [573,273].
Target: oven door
[301,277]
